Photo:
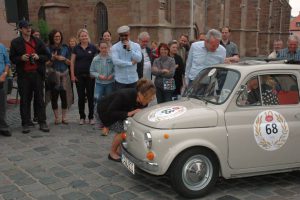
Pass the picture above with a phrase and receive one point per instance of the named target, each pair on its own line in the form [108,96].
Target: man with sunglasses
[125,56]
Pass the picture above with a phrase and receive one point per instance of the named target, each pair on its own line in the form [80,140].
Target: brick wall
[7,31]
[253,32]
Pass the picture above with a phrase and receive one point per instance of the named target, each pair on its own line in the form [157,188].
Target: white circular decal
[164,113]
[271,130]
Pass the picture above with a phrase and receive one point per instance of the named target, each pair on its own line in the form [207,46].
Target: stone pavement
[70,162]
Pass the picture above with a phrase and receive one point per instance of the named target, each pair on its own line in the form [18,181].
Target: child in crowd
[102,69]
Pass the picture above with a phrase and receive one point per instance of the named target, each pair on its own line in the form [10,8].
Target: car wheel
[194,172]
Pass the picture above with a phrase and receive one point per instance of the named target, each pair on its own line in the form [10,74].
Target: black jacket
[17,49]
[140,65]
[115,106]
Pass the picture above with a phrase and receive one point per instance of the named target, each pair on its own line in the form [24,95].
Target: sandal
[105,131]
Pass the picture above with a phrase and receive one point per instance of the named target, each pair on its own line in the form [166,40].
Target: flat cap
[123,29]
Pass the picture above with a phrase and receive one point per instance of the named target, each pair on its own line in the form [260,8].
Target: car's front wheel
[194,172]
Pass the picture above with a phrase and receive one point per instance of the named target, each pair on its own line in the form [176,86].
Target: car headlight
[126,124]
[148,140]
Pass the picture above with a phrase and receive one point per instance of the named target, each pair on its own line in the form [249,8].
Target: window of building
[298,24]
[41,14]
[102,19]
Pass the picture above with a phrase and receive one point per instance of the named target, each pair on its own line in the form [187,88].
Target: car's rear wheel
[194,172]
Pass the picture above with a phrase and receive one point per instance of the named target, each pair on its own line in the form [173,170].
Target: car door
[265,133]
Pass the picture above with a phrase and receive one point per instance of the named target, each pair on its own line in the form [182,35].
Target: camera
[31,59]
[124,46]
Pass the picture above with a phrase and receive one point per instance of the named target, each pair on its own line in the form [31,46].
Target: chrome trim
[144,165]
[148,139]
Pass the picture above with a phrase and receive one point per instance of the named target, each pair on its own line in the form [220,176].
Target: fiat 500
[235,121]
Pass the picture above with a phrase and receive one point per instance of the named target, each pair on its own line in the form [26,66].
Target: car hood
[189,113]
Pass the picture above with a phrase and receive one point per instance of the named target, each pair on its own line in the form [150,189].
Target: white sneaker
[92,122]
[81,122]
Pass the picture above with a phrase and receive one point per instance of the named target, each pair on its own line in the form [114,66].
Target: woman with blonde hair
[81,59]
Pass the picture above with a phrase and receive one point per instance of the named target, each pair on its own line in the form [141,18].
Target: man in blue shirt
[125,55]
[292,52]
[204,54]
[4,67]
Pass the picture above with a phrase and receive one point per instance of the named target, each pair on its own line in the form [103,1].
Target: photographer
[30,54]
[125,55]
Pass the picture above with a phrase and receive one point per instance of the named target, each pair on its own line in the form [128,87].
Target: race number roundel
[165,113]
[271,130]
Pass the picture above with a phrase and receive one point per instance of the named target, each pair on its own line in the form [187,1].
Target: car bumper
[150,167]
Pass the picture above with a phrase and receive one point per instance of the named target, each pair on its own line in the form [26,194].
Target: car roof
[249,66]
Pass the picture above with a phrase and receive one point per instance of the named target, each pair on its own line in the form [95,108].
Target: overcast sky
[295,4]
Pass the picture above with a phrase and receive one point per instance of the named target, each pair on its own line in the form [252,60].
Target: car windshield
[213,85]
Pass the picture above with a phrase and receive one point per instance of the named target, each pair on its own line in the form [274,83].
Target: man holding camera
[125,55]
[30,54]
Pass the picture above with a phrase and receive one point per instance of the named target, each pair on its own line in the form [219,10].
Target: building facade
[254,23]
[295,26]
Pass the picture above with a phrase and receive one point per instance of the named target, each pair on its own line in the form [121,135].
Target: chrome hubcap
[197,172]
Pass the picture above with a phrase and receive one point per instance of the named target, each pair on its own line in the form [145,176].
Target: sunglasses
[123,35]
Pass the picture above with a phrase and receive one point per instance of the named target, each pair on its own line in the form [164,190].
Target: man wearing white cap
[125,55]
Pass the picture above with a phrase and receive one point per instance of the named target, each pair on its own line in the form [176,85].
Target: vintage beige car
[236,120]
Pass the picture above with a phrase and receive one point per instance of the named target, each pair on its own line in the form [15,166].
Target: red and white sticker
[165,113]
[271,130]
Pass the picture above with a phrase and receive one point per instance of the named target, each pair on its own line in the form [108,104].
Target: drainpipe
[192,19]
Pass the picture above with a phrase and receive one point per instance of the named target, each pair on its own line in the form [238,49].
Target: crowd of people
[116,80]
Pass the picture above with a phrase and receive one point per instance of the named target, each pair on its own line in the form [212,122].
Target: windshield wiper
[202,98]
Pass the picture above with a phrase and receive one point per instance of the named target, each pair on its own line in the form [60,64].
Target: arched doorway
[101,19]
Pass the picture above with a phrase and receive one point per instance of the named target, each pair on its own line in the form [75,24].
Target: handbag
[169,84]
[50,79]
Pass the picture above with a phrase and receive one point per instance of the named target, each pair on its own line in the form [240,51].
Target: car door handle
[297,116]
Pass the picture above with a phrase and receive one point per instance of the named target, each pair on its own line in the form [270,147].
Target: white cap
[123,29]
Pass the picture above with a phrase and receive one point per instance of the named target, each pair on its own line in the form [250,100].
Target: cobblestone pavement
[70,162]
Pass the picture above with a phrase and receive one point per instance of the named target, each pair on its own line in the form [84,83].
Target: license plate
[128,164]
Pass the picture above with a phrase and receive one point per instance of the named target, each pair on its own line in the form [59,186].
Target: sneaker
[81,122]
[92,122]
[5,133]
[44,127]
[25,129]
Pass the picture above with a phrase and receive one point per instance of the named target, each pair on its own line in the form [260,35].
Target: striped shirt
[285,54]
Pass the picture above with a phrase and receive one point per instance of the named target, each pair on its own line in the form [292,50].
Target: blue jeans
[101,90]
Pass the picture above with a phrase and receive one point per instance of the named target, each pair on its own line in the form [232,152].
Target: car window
[271,89]
[213,85]
[287,89]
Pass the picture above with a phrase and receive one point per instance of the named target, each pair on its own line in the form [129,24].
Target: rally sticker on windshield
[165,113]
[271,130]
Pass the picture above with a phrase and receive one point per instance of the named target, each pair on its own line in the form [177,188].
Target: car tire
[183,171]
